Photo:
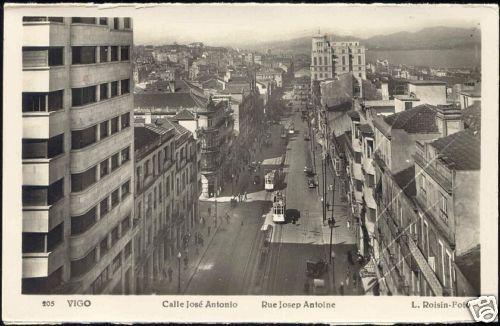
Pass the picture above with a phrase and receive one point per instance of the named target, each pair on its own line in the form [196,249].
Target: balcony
[435,171]
[88,115]
[97,73]
[45,32]
[379,161]
[82,159]
[44,218]
[43,125]
[81,201]
[92,35]
[83,242]
[44,79]
[42,264]
[44,171]
[357,172]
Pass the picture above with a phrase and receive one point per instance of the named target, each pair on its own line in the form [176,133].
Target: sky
[255,23]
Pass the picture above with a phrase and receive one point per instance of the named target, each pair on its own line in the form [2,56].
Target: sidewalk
[343,232]
[194,254]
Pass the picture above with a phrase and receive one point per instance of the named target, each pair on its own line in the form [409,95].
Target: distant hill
[431,38]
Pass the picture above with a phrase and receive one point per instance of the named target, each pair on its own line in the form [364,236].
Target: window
[315,62]
[81,266]
[320,61]
[43,19]
[103,90]
[167,189]
[43,102]
[83,138]
[124,53]
[125,120]
[43,148]
[103,129]
[359,59]
[103,21]
[125,86]
[154,198]
[103,54]
[103,246]
[443,208]
[125,155]
[83,180]
[114,88]
[125,189]
[115,198]
[126,23]
[104,207]
[104,168]
[114,162]
[114,125]
[43,195]
[83,20]
[357,157]
[423,184]
[83,55]
[115,235]
[160,193]
[408,105]
[126,224]
[116,23]
[369,148]
[83,95]
[114,53]
[343,59]
[82,223]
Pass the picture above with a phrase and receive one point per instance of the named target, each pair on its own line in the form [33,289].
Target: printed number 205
[48,303]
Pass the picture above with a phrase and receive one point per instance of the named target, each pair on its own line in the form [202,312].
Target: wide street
[232,259]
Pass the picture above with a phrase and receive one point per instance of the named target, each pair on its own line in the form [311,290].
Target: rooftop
[471,116]
[143,137]
[171,100]
[461,150]
[184,115]
[366,129]
[353,114]
[469,264]
[342,107]
[406,181]
[426,82]
[420,119]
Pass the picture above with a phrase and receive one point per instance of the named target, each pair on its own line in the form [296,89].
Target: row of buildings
[410,166]
[111,179]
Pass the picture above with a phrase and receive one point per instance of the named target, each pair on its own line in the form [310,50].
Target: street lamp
[179,272]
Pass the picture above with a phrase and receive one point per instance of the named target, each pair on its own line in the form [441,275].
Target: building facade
[155,172]
[77,155]
[331,59]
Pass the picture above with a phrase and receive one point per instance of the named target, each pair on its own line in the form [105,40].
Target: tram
[279,207]
[270,180]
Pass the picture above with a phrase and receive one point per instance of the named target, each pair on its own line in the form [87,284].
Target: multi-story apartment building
[77,155]
[301,92]
[153,202]
[349,57]
[330,59]
[212,126]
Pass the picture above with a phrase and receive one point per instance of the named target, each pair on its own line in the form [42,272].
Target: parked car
[308,171]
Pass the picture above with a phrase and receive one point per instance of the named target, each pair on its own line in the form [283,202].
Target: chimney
[449,119]
[147,117]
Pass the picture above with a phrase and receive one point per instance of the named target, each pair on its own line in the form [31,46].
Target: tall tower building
[321,58]
[77,153]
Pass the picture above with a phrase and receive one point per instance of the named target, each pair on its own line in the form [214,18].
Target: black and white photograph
[298,155]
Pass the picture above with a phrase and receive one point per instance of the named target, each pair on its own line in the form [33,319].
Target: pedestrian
[170,272]
[348,224]
[341,288]
[186,262]
[210,210]
[246,196]
[227,218]
[208,230]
